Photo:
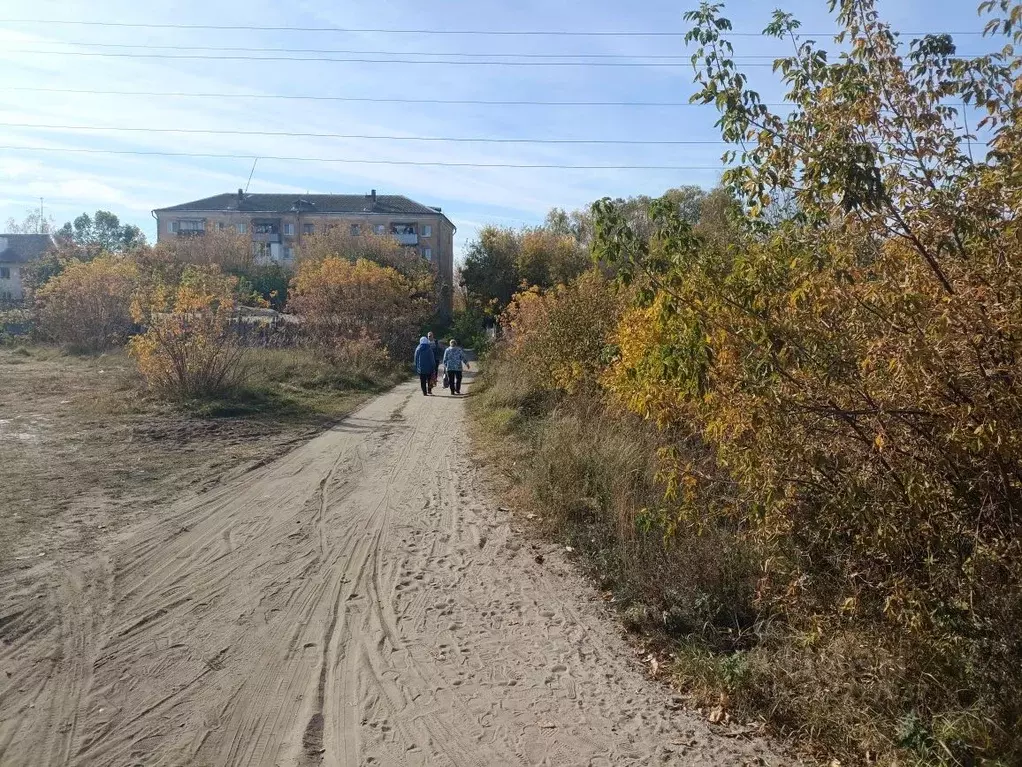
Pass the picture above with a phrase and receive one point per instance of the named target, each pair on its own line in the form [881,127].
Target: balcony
[265,237]
[406,239]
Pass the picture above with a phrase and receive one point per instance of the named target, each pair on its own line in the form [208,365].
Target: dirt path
[354,602]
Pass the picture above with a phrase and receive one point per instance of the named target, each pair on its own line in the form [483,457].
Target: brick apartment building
[277,223]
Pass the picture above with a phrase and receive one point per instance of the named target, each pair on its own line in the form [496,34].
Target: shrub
[189,349]
[226,249]
[853,369]
[339,301]
[88,305]
[559,338]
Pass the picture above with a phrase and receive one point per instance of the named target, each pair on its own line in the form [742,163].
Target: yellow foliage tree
[340,301]
[88,305]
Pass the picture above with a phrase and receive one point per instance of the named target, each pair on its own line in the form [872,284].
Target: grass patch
[295,383]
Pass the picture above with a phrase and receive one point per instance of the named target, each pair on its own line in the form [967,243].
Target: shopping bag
[447,382]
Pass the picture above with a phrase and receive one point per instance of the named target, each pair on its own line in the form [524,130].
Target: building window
[191,225]
[380,229]
[427,230]
[173,227]
[220,226]
[428,253]
[5,273]
[241,228]
[289,230]
[308,228]
[289,253]
[356,230]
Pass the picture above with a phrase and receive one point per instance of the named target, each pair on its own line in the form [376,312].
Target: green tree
[490,273]
[102,232]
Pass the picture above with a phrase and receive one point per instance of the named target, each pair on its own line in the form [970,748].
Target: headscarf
[423,340]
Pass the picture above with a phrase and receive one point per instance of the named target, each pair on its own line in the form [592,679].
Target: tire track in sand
[356,601]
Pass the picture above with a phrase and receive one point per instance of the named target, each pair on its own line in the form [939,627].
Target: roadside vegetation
[780,421]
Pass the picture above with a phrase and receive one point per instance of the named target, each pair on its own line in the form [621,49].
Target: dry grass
[85,448]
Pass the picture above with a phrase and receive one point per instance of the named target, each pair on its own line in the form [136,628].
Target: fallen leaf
[716,714]
[569,549]
[530,515]
[548,725]
[654,667]
[505,509]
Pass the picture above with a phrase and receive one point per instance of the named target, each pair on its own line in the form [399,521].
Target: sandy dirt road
[357,601]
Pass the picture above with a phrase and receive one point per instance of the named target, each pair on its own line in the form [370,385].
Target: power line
[363,99]
[296,134]
[479,32]
[448,62]
[456,54]
[346,161]
[673,64]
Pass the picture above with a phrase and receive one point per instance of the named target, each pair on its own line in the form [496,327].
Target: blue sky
[132,185]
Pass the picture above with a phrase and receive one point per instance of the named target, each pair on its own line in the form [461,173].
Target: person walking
[425,364]
[454,360]
[438,354]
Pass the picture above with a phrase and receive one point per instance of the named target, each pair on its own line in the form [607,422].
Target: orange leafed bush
[339,300]
[189,349]
[88,306]
[560,337]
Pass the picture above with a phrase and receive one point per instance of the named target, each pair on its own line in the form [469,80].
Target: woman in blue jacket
[425,364]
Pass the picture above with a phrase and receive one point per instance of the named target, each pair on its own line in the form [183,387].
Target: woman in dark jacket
[425,364]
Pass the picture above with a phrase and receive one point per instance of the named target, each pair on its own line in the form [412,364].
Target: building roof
[238,202]
[20,248]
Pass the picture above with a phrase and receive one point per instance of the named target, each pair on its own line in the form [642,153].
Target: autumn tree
[853,364]
[339,302]
[88,305]
[224,248]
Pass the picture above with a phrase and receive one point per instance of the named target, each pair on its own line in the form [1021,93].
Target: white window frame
[289,252]
[172,227]
[427,253]
[241,228]
[191,225]
[289,230]
[380,229]
[308,229]
[427,230]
